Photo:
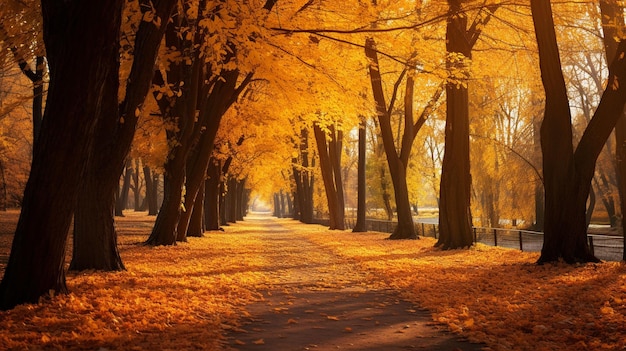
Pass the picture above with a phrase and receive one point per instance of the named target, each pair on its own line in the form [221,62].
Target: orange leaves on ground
[494,295]
[189,296]
[181,297]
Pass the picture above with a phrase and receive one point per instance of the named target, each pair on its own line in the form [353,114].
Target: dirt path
[318,301]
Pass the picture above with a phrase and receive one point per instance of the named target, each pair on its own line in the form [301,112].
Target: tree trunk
[329,177]
[568,173]
[304,180]
[187,77]
[612,15]
[361,225]
[3,191]
[276,206]
[212,196]
[95,245]
[122,199]
[82,44]
[151,191]
[136,186]
[196,223]
[397,163]
[455,219]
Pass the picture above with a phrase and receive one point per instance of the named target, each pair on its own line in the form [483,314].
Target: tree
[95,239]
[330,164]
[398,161]
[206,82]
[361,225]
[304,179]
[455,219]
[612,19]
[82,47]
[568,172]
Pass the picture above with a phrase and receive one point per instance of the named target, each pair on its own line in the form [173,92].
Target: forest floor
[276,284]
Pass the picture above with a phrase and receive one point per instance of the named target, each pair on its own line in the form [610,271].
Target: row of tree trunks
[188,80]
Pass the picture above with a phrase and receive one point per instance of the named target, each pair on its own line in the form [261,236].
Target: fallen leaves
[495,295]
[170,298]
[191,295]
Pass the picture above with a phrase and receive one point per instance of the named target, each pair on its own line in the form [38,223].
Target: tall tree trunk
[455,218]
[361,225]
[3,186]
[277,212]
[151,191]
[122,199]
[82,44]
[539,195]
[136,186]
[93,223]
[304,180]
[397,163]
[212,196]
[187,77]
[568,173]
[612,16]
[331,178]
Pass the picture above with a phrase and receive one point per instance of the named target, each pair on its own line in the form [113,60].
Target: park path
[319,301]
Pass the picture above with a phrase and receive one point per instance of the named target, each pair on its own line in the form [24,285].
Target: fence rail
[604,247]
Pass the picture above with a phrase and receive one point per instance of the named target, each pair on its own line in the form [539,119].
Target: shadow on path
[325,303]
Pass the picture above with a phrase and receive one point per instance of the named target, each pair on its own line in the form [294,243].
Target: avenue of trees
[493,112]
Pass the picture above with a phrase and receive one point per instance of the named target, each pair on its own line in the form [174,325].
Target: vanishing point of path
[319,301]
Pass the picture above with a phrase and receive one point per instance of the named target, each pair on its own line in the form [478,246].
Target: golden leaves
[498,296]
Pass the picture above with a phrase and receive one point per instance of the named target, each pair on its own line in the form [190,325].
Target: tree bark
[455,218]
[304,180]
[612,17]
[361,225]
[331,178]
[196,222]
[93,226]
[397,163]
[136,186]
[212,196]
[568,173]
[82,44]
[122,199]
[151,191]
[186,76]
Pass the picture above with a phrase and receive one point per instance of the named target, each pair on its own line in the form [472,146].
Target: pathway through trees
[319,301]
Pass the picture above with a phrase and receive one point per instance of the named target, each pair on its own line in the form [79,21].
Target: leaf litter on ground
[190,295]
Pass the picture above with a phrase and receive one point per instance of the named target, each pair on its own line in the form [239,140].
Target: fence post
[423,232]
[475,237]
[495,237]
[591,248]
[521,246]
